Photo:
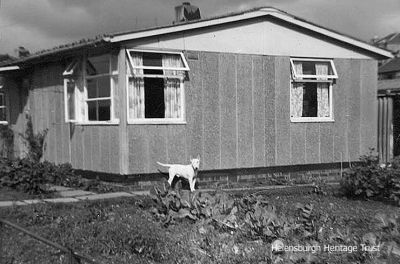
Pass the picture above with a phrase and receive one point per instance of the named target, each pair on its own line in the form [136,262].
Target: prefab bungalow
[248,92]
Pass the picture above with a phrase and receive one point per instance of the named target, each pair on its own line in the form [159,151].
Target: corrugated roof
[392,65]
[104,39]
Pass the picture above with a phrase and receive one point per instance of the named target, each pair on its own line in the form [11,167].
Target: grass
[125,231]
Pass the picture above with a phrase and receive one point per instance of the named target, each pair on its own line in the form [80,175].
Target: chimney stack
[22,52]
[186,12]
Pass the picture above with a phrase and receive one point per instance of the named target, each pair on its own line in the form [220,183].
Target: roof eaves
[59,49]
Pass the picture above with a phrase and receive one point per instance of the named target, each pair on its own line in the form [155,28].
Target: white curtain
[172,86]
[322,91]
[296,97]
[136,89]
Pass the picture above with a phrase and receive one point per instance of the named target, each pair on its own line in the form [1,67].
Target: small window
[313,69]
[311,90]
[156,86]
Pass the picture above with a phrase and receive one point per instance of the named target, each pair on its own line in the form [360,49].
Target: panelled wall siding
[237,113]
[85,147]
[237,109]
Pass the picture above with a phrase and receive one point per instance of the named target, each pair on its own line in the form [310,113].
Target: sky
[43,24]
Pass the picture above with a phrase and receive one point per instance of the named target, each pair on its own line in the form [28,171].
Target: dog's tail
[162,164]
[163,173]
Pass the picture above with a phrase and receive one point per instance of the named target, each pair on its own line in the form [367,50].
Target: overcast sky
[42,24]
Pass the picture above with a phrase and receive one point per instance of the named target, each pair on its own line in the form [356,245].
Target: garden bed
[11,194]
[132,230]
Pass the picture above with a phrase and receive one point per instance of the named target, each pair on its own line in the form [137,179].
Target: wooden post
[123,129]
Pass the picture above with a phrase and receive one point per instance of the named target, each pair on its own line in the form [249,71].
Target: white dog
[188,172]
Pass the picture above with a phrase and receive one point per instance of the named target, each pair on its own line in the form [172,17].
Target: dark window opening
[310,100]
[154,98]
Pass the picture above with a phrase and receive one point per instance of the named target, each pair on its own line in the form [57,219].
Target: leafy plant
[24,175]
[369,179]
[34,141]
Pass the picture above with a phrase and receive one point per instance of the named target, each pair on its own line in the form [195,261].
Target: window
[3,108]
[89,90]
[311,90]
[156,87]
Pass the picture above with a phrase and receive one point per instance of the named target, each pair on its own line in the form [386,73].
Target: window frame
[157,121]
[112,74]
[306,78]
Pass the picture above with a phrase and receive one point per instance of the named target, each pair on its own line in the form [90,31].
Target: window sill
[157,122]
[3,123]
[94,123]
[311,120]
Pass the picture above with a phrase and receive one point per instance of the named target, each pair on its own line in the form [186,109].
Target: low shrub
[33,177]
[369,179]
[23,175]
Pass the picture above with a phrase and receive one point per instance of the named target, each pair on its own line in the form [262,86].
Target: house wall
[237,113]
[258,36]
[85,147]
[237,110]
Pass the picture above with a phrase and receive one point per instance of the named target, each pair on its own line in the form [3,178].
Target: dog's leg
[171,177]
[191,184]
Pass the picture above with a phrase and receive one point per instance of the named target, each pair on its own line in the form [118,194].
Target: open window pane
[153,60]
[98,65]
[313,69]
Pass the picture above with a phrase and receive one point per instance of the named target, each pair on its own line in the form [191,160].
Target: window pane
[92,110]
[154,98]
[103,86]
[92,88]
[2,101]
[71,99]
[114,63]
[104,110]
[310,103]
[3,116]
[152,59]
[308,67]
[98,65]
